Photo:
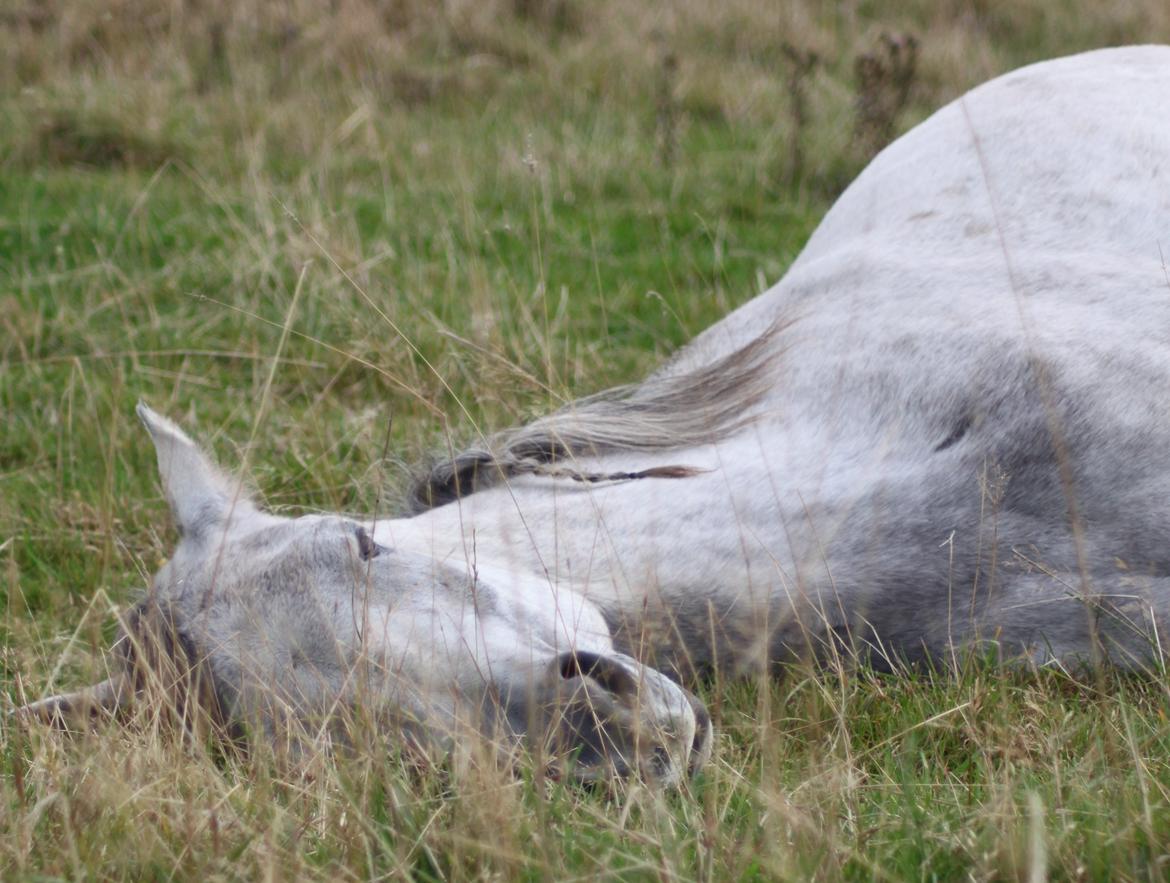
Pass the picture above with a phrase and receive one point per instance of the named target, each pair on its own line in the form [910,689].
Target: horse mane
[668,410]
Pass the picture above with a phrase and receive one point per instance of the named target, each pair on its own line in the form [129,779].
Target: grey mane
[669,410]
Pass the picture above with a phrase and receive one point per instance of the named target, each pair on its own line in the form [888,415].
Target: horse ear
[199,495]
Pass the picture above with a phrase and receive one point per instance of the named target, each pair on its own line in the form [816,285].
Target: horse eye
[367,548]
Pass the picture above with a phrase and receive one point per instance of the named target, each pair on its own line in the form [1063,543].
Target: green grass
[495,183]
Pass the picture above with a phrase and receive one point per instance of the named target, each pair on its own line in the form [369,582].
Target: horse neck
[665,541]
[684,570]
[613,543]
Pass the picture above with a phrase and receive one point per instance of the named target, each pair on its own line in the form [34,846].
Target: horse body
[944,427]
[962,436]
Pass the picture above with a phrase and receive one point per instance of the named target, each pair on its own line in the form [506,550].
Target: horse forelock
[670,410]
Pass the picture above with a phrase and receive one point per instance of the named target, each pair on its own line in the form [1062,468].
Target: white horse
[947,428]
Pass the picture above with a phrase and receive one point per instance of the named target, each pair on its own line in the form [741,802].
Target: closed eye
[367,548]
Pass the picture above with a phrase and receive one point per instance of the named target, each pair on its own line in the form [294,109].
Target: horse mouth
[704,741]
[604,717]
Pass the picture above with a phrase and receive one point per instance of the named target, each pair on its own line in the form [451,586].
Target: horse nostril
[569,665]
[607,673]
[580,664]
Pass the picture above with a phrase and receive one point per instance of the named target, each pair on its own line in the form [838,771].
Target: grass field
[464,214]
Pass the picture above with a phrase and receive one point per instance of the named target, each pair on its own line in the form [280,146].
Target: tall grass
[545,198]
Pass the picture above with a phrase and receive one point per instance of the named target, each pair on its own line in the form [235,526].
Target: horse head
[281,626]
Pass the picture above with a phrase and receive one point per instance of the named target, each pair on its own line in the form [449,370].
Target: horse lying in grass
[947,428]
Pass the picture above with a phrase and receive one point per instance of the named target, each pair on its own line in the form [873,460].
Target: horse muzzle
[594,717]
